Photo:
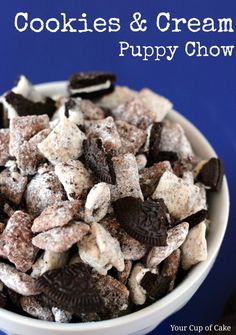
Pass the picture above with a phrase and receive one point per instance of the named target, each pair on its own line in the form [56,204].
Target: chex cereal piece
[149,177]
[15,241]
[127,177]
[63,143]
[60,239]
[23,128]
[28,156]
[181,199]
[75,178]
[174,139]
[156,103]
[100,250]
[60,315]
[18,281]
[90,110]
[176,237]
[105,130]
[49,260]
[171,266]
[12,185]
[32,306]
[132,138]
[194,249]
[119,96]
[141,160]
[4,146]
[57,215]
[124,275]
[134,112]
[131,248]
[42,191]
[137,293]
[88,317]
[114,293]
[97,203]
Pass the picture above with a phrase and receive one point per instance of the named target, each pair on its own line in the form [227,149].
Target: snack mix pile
[103,203]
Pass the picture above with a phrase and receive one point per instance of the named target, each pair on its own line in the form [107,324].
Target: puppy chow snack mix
[103,201]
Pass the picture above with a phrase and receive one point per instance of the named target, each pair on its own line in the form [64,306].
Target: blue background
[203,89]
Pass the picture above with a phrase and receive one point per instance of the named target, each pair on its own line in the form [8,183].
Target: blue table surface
[203,89]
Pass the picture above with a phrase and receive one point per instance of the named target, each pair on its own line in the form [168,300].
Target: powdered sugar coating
[100,250]
[18,281]
[60,239]
[134,112]
[137,293]
[107,131]
[28,156]
[15,241]
[61,316]
[132,138]
[63,143]
[175,238]
[97,203]
[180,198]
[156,103]
[127,178]
[12,185]
[114,294]
[174,139]
[131,248]
[42,191]
[4,146]
[33,306]
[118,97]
[23,128]
[75,178]
[57,215]
[194,249]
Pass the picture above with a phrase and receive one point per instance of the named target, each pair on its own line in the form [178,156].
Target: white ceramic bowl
[147,319]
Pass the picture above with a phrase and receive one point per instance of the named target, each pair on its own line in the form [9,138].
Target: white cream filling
[93,88]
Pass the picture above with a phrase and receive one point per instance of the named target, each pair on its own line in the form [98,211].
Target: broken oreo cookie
[154,142]
[91,85]
[156,285]
[195,218]
[212,173]
[72,288]
[98,161]
[24,106]
[144,221]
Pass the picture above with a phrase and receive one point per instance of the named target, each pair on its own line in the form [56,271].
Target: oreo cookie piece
[98,161]
[212,173]
[156,286]
[195,218]
[24,106]
[72,288]
[154,142]
[91,85]
[2,116]
[144,221]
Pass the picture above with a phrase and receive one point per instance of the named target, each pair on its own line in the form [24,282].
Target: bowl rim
[189,281]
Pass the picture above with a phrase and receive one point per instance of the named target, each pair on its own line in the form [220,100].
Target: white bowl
[147,319]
